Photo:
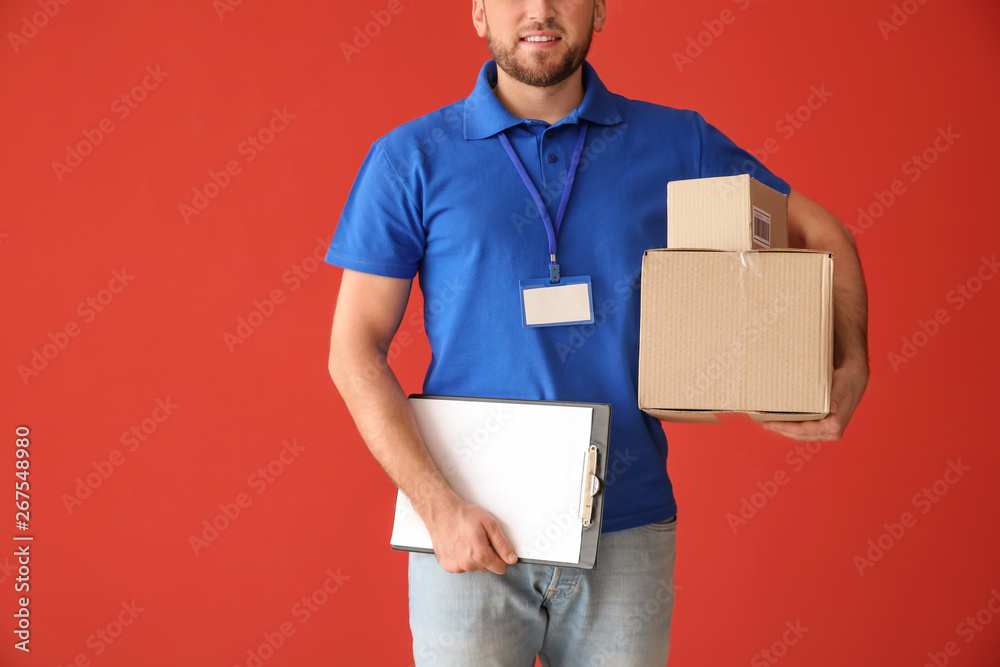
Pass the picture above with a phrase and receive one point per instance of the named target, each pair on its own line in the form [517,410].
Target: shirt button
[552,157]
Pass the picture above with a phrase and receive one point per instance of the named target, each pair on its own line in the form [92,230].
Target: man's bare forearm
[821,230]
[850,301]
[386,422]
[850,310]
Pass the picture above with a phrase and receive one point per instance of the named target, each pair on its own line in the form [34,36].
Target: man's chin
[542,76]
[541,72]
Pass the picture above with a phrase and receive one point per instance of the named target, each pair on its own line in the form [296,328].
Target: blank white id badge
[544,304]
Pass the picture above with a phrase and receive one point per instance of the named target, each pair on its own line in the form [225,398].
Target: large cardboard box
[726,213]
[736,332]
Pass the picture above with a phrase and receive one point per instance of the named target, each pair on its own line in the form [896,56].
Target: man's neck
[551,104]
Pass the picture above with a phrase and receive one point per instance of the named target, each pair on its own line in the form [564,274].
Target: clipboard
[538,466]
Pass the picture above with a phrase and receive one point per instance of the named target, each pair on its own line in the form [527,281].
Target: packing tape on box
[747,267]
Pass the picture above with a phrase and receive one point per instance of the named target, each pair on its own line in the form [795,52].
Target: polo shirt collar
[485,116]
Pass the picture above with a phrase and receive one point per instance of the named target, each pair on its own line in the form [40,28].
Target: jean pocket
[663,526]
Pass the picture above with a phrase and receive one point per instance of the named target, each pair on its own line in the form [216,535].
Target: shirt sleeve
[721,157]
[380,230]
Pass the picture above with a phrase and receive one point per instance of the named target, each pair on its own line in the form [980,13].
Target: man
[439,198]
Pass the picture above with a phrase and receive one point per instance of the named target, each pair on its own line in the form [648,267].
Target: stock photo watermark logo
[577,336]
[786,126]
[30,25]
[224,7]
[445,298]
[294,276]
[364,34]
[259,481]
[898,17]
[558,525]
[619,464]
[460,450]
[22,623]
[924,500]
[476,439]
[779,648]
[916,166]
[570,518]
[750,506]
[104,468]
[6,569]
[958,298]
[122,106]
[553,189]
[104,637]
[59,340]
[723,362]
[250,148]
[703,39]
[968,629]
[429,650]
[303,610]
[660,599]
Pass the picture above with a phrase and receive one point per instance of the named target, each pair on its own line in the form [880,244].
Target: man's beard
[544,73]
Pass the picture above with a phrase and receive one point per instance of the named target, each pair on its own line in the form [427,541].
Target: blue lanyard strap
[551,230]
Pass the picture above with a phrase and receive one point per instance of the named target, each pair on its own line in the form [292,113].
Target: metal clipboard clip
[589,486]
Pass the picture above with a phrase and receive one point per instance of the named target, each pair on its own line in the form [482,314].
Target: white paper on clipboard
[520,461]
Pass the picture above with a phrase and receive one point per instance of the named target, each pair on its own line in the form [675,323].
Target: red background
[163,334]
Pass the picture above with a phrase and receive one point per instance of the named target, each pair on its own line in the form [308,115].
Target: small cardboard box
[736,332]
[726,213]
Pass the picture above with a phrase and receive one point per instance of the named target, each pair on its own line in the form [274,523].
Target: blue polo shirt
[439,198]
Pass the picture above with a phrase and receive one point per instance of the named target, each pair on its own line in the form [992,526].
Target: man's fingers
[792,429]
[502,546]
[480,558]
[828,428]
[838,395]
[499,540]
[494,564]
[489,560]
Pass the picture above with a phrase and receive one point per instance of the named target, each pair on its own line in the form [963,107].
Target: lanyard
[551,230]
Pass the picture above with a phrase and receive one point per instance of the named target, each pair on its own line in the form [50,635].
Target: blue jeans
[616,615]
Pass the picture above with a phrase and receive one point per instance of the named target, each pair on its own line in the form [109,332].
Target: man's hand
[467,538]
[849,384]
